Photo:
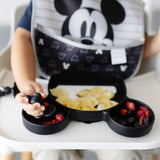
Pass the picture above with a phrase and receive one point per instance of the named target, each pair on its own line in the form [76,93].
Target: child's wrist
[23,84]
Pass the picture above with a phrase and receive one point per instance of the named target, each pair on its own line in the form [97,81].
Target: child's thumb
[43,94]
[39,89]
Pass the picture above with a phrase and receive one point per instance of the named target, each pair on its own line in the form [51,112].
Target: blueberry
[146,121]
[136,124]
[7,90]
[131,120]
[130,113]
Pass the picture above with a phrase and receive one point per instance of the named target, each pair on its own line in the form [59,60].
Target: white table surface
[78,135]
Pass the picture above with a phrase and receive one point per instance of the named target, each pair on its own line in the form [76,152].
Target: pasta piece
[108,104]
[109,94]
[88,103]
[105,96]
[65,100]
[97,89]
[94,94]
[83,93]
[58,92]
[75,104]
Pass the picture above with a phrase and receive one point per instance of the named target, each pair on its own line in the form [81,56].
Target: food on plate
[58,118]
[58,92]
[135,115]
[93,99]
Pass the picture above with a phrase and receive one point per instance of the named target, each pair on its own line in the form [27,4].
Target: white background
[6,9]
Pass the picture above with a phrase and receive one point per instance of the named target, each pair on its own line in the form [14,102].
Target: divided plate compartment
[88,80]
[111,115]
[119,123]
[36,125]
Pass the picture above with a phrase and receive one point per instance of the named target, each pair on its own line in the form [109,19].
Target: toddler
[79,36]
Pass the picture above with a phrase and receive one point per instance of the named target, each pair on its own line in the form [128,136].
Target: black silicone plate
[108,115]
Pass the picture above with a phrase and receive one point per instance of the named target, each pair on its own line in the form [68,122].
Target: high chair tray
[79,135]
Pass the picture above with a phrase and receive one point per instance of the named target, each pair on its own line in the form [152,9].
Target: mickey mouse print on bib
[88,36]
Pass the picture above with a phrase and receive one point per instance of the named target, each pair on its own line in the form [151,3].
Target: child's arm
[22,58]
[152,45]
[23,68]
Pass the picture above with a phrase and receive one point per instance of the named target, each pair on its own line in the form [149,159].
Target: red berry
[57,120]
[145,110]
[139,113]
[123,112]
[141,119]
[46,104]
[47,122]
[53,121]
[59,117]
[130,106]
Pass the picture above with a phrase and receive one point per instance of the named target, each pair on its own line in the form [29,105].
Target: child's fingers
[38,88]
[35,114]
[20,98]
[28,90]
[33,109]
[26,106]
[44,95]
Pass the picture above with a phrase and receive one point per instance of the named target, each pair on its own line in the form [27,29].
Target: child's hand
[29,89]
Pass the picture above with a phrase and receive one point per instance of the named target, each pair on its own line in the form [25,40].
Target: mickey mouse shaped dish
[129,117]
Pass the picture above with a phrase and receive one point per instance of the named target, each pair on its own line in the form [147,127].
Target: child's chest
[84,35]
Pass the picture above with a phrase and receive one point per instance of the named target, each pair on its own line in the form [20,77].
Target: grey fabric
[101,154]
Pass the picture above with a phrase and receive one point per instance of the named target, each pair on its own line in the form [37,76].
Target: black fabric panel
[57,57]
